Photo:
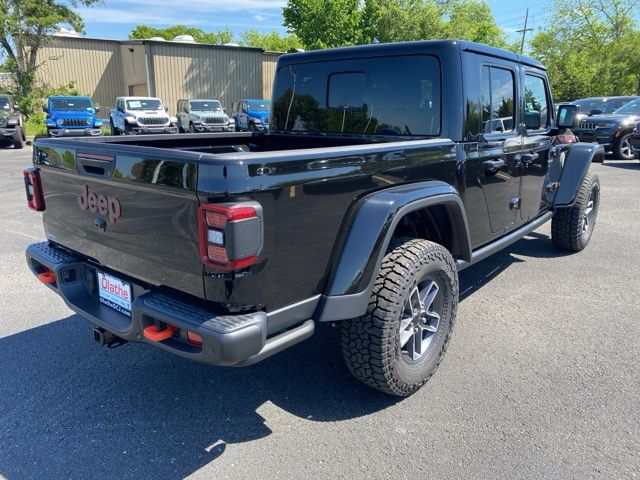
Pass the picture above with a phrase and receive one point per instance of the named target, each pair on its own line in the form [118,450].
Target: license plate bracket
[114,293]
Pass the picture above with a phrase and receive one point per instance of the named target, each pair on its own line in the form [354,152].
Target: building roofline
[136,41]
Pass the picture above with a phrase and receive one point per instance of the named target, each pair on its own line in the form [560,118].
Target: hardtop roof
[406,48]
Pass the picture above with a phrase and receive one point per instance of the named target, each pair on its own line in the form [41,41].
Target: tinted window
[383,96]
[497,91]
[536,111]
[5,103]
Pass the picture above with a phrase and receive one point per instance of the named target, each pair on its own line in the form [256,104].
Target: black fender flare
[575,160]
[369,231]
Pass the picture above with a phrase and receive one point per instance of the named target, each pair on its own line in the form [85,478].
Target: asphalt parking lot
[541,379]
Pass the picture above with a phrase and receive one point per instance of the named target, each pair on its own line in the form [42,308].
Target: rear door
[499,144]
[133,213]
[537,141]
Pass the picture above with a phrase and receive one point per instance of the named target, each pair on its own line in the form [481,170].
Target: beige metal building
[106,69]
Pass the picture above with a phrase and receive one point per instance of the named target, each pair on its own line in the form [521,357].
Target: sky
[117,18]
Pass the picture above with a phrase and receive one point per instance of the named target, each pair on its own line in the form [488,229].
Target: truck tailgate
[132,213]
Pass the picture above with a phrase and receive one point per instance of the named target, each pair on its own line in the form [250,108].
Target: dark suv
[613,130]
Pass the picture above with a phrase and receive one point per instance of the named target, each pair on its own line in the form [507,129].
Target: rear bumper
[75,132]
[226,339]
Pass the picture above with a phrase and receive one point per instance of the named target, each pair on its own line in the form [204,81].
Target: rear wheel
[192,129]
[571,228]
[622,148]
[398,344]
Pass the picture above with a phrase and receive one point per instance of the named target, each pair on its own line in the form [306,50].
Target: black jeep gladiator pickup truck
[387,169]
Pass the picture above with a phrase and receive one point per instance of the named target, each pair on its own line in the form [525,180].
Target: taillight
[33,188]
[230,234]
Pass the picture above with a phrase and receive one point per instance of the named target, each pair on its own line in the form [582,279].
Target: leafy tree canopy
[271,41]
[590,48]
[334,23]
[26,25]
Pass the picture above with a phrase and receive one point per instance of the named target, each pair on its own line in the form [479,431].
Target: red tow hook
[47,277]
[152,333]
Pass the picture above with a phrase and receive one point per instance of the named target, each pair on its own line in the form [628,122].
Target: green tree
[169,33]
[272,41]
[333,23]
[25,26]
[590,48]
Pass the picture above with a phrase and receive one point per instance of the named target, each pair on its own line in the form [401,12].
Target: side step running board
[505,241]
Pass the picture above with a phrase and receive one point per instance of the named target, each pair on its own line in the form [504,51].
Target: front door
[499,145]
[536,143]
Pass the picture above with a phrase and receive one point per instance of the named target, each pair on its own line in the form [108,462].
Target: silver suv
[199,115]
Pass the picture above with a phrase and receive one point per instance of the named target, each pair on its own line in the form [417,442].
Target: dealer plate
[114,293]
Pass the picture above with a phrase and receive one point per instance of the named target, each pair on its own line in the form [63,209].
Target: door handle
[491,167]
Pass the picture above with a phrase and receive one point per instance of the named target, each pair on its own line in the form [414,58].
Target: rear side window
[536,110]
[375,96]
[497,93]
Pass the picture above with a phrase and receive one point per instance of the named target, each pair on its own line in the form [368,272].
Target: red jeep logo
[102,204]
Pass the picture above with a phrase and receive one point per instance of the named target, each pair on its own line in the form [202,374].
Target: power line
[524,30]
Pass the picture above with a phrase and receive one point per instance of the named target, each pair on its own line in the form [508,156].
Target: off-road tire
[370,344]
[622,149]
[18,138]
[568,224]
[192,129]
[252,127]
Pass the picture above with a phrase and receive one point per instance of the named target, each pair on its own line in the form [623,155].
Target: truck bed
[304,184]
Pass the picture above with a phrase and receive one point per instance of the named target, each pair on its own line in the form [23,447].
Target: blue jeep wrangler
[251,115]
[72,117]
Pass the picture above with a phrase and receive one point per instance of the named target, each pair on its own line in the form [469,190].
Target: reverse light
[33,189]
[230,235]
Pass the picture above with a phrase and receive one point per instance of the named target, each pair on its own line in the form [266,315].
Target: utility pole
[524,30]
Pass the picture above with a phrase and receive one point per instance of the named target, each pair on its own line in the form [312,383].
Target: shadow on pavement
[625,165]
[69,409]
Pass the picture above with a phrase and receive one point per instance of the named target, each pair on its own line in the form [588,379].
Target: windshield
[379,96]
[206,106]
[261,105]
[71,104]
[632,108]
[605,105]
[5,103]
[144,104]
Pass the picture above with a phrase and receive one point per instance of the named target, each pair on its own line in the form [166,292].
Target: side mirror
[45,109]
[567,116]
[16,108]
[595,111]
[166,109]
[97,109]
